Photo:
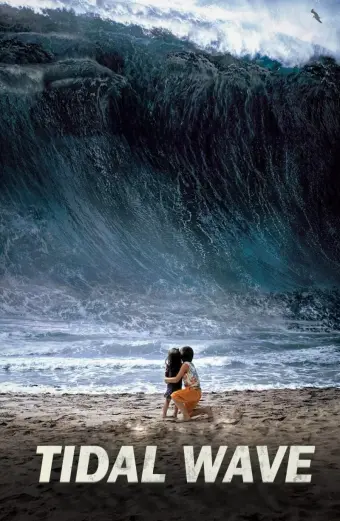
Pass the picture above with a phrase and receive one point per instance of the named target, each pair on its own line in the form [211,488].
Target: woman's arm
[180,374]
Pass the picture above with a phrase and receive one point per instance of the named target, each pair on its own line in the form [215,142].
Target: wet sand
[273,418]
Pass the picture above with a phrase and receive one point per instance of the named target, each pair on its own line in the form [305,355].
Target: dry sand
[273,418]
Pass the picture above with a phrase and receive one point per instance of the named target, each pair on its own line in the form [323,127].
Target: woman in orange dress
[187,399]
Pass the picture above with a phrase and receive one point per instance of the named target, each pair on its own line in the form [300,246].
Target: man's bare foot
[199,411]
[185,417]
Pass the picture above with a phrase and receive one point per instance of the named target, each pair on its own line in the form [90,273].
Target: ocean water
[169,176]
[73,358]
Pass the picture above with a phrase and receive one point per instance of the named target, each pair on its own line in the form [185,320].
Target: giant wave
[135,161]
[161,184]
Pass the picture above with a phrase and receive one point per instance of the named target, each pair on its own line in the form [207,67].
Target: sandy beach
[276,417]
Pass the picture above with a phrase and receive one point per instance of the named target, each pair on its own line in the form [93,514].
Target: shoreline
[122,405]
[308,417]
[298,407]
[119,394]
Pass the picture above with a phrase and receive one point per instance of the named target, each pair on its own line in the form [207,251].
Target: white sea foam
[65,357]
[283,30]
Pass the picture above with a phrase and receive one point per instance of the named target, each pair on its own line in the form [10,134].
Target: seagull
[316,16]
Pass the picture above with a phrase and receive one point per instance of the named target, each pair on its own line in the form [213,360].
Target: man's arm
[176,379]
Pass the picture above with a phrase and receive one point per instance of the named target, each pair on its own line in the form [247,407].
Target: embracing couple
[179,367]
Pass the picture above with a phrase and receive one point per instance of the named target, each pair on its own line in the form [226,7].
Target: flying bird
[316,16]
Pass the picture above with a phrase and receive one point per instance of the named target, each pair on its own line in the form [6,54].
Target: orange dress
[191,394]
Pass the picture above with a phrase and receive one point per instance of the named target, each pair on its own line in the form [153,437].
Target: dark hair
[187,354]
[174,361]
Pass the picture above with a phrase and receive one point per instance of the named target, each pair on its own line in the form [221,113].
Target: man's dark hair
[173,362]
[187,354]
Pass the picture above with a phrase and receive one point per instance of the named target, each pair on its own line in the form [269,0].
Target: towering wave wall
[135,163]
